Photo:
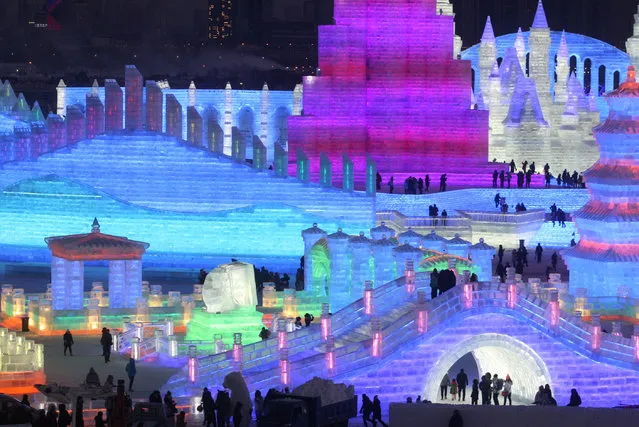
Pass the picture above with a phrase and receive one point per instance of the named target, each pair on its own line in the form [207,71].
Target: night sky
[607,20]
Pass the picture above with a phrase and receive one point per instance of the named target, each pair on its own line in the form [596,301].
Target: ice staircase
[397,315]
[160,172]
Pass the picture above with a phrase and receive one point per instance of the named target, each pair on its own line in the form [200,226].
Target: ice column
[285,374]
[348,174]
[192,94]
[376,332]
[384,262]
[117,287]
[93,314]
[238,354]
[281,334]
[192,364]
[369,299]
[635,339]
[311,236]
[228,118]
[339,289]
[61,104]
[330,355]
[114,106]
[325,322]
[409,276]
[95,115]
[264,115]
[595,338]
[421,313]
[173,117]
[133,282]
[360,264]
[553,307]
[134,86]
[154,106]
[482,256]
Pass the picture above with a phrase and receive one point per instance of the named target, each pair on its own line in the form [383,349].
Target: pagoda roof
[458,241]
[410,233]
[482,246]
[629,88]
[360,239]
[339,235]
[95,246]
[383,228]
[434,237]
[406,248]
[314,230]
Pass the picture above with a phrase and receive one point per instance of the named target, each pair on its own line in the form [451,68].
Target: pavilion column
[117,284]
[75,285]
[132,282]
[59,282]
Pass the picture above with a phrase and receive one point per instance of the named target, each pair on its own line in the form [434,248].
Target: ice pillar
[61,92]
[114,105]
[132,282]
[117,284]
[360,248]
[384,262]
[173,116]
[154,106]
[194,130]
[326,171]
[134,102]
[228,119]
[339,289]
[95,115]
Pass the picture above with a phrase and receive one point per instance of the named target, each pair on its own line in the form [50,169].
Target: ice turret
[540,20]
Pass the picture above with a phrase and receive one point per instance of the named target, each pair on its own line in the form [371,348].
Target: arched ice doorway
[494,353]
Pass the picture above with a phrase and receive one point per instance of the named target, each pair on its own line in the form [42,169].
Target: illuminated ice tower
[388,86]
[607,257]
[632,44]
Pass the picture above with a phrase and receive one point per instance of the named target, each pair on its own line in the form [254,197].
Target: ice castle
[532,83]
[604,263]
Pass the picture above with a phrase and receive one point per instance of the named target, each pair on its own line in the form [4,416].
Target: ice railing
[402,221]
[537,215]
[261,354]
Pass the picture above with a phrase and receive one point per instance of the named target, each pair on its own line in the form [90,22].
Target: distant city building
[220,19]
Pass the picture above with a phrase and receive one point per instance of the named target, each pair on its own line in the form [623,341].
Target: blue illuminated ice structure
[606,260]
[187,202]
[406,345]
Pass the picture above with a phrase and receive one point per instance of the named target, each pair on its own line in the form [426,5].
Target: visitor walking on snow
[453,390]
[462,382]
[498,385]
[67,339]
[538,251]
[131,371]
[474,394]
[367,410]
[443,387]
[507,391]
[377,411]
[106,341]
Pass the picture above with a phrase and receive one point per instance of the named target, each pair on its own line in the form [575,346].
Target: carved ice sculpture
[228,287]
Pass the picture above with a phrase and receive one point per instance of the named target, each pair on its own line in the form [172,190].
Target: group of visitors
[371,411]
[557,215]
[413,185]
[442,281]
[433,212]
[220,410]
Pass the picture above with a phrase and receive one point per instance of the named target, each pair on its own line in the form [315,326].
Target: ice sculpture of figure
[228,287]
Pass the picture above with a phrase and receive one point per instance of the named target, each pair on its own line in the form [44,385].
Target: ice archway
[494,353]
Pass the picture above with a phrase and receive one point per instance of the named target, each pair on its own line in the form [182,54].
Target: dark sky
[607,20]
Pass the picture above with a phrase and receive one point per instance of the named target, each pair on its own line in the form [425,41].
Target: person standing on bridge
[462,383]
[443,386]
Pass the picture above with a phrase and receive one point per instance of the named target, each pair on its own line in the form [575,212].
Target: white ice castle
[533,85]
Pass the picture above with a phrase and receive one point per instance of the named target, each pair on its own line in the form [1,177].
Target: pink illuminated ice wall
[388,86]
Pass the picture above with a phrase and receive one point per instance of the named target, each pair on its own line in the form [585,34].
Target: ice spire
[540,17]
[495,71]
[520,44]
[489,34]
[95,89]
[36,113]
[562,52]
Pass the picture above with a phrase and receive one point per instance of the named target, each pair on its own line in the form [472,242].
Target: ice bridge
[394,343]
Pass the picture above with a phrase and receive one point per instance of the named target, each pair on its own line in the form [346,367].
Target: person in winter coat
[434,275]
[443,387]
[456,420]
[507,391]
[484,386]
[474,394]
[208,406]
[367,410]
[462,383]
[453,389]
[377,412]
[575,399]
[497,386]
[258,403]
[92,379]
[131,371]
[64,418]
[67,339]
